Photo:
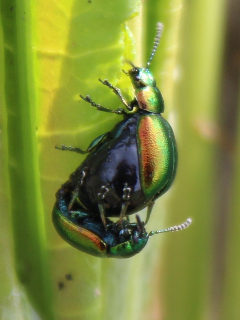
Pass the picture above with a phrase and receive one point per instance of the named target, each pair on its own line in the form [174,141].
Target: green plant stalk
[26,208]
[230,307]
[196,98]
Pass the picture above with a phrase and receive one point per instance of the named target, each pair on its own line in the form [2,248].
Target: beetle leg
[93,145]
[132,106]
[102,214]
[75,193]
[149,211]
[65,148]
[140,224]
[116,90]
[125,204]
[123,211]
[101,108]
[101,197]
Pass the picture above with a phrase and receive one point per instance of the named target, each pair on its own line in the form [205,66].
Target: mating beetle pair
[126,170]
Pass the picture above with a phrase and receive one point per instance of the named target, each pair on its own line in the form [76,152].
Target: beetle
[126,170]
[89,235]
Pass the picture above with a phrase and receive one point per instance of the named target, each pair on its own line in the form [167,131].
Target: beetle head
[141,77]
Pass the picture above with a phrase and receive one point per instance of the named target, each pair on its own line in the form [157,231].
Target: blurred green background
[52,51]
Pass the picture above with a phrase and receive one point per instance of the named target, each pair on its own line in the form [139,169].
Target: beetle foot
[102,193]
[126,192]
[126,197]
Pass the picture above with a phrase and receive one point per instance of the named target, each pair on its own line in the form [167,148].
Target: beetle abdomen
[113,166]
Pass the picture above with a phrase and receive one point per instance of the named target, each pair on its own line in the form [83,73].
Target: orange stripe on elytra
[150,149]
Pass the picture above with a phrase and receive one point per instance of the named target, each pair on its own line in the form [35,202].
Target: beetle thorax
[150,99]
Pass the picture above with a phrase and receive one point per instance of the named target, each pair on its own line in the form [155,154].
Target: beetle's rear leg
[101,108]
[93,145]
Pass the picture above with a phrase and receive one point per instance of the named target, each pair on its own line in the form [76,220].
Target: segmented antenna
[172,229]
[159,29]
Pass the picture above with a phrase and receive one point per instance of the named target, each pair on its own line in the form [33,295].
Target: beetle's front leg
[132,106]
[116,90]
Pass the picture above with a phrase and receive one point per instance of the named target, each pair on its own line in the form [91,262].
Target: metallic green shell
[128,248]
[78,237]
[150,99]
[157,155]
[87,241]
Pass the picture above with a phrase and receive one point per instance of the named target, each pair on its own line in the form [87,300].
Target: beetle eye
[135,72]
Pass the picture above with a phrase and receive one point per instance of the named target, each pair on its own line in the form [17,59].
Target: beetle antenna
[125,72]
[130,62]
[175,228]
[159,29]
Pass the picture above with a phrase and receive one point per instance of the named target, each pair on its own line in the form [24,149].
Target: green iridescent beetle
[126,170]
[116,240]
